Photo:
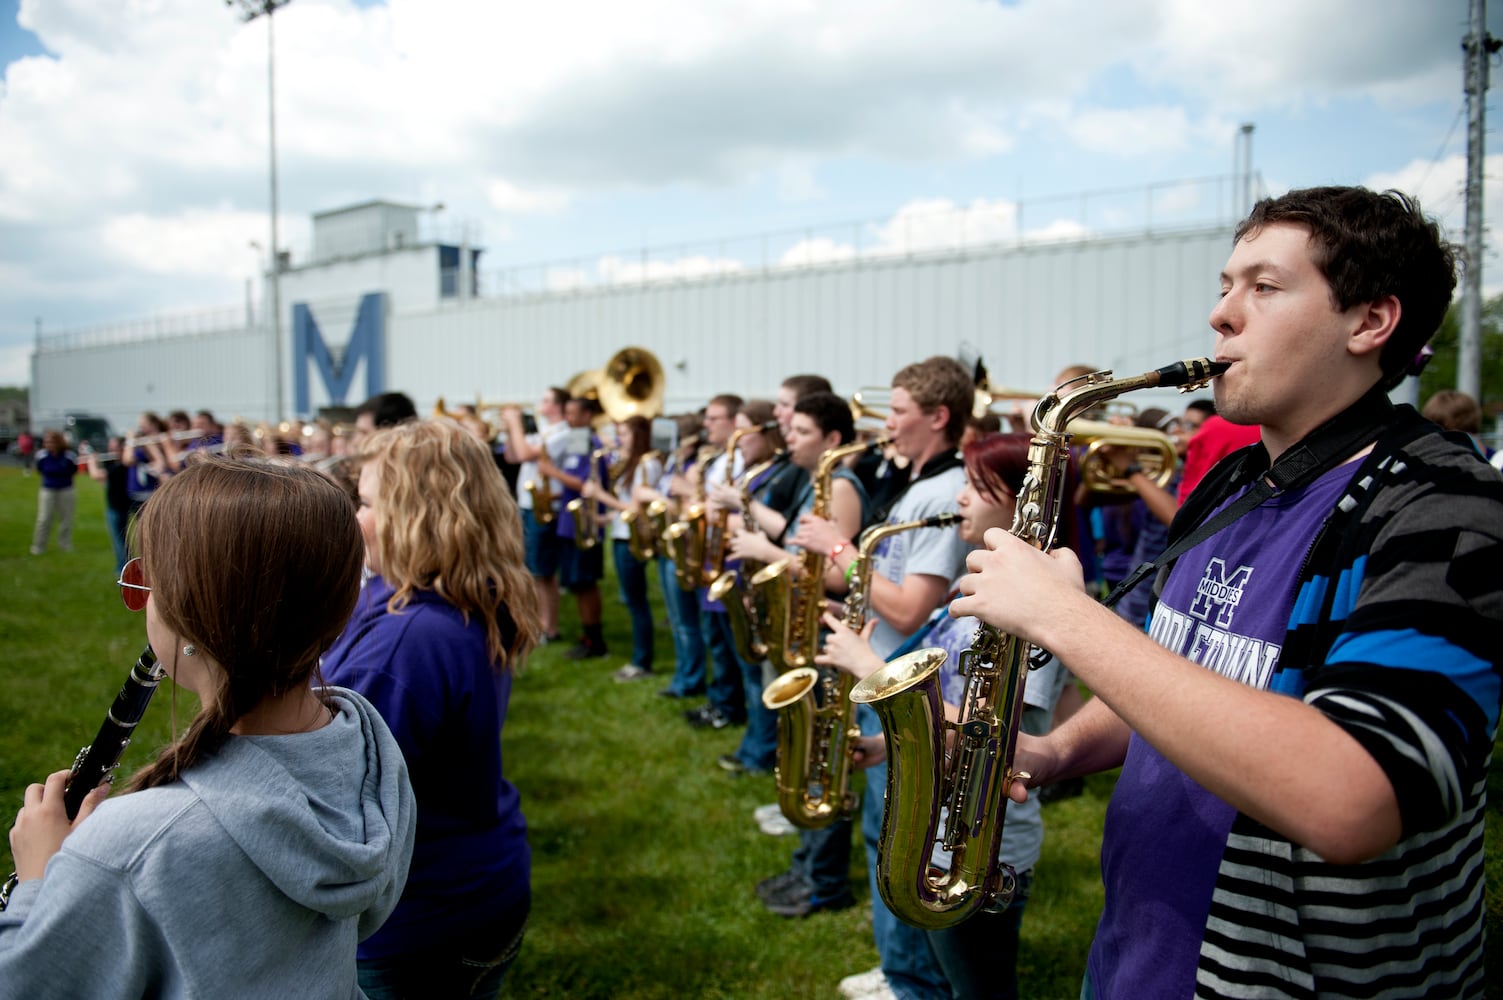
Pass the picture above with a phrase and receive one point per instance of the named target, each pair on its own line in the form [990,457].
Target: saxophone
[685,538]
[816,718]
[717,522]
[742,607]
[973,778]
[585,511]
[793,604]
[542,499]
[641,536]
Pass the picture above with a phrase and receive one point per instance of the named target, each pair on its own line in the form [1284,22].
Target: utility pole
[1479,47]
[249,11]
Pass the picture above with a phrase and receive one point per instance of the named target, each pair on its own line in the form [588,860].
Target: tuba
[794,605]
[971,780]
[816,718]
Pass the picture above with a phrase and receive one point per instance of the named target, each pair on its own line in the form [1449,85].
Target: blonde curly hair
[446,522]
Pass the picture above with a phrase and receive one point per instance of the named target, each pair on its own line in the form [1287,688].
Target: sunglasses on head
[133,588]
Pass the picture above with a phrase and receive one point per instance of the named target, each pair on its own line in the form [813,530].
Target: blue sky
[135,173]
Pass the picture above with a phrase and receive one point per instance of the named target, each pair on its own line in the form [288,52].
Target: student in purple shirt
[56,499]
[1304,733]
[445,619]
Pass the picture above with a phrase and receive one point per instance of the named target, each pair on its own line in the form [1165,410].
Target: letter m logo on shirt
[1219,592]
[337,366]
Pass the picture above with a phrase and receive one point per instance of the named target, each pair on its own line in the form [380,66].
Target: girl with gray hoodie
[276,831]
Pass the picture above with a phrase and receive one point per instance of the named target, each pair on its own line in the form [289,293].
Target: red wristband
[839,548]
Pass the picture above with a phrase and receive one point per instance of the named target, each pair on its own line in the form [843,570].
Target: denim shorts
[579,569]
[541,542]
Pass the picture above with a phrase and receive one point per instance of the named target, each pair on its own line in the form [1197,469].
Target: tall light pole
[1479,47]
[249,11]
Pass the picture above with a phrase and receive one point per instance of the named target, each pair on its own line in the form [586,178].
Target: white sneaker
[630,672]
[777,826]
[764,813]
[870,983]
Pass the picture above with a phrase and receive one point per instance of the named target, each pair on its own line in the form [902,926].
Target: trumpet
[926,779]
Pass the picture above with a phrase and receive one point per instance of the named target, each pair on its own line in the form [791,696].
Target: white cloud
[193,243]
[136,151]
[617,271]
[505,196]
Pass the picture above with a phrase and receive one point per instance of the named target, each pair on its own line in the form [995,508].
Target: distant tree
[15,392]
[1441,372]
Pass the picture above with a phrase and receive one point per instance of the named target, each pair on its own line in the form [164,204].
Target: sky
[134,135]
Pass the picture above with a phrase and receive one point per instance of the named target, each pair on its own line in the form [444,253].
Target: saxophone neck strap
[1324,448]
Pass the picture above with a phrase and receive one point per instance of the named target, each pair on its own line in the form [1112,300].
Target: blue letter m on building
[367,340]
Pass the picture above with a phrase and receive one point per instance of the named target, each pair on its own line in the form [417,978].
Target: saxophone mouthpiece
[942,520]
[1190,374]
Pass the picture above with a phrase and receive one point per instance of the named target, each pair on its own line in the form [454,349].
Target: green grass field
[644,851]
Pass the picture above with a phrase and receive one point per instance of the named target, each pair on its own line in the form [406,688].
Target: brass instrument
[631,385]
[793,604]
[586,510]
[816,717]
[685,538]
[743,606]
[641,536]
[173,436]
[718,521]
[972,780]
[1154,449]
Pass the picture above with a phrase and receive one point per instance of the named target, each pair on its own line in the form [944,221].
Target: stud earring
[190,650]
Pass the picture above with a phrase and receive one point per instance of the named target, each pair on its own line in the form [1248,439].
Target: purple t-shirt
[1225,606]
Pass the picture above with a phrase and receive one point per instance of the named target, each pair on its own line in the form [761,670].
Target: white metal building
[1128,302]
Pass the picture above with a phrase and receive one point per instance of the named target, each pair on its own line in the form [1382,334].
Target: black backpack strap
[1313,455]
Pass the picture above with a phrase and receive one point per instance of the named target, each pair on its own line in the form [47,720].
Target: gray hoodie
[252,876]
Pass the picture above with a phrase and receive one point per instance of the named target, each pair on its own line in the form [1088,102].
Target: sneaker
[764,813]
[731,763]
[864,984]
[806,904]
[710,717]
[545,640]
[777,826]
[630,672]
[583,650]
[777,885]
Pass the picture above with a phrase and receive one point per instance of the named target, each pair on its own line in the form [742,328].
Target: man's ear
[1376,322]
[939,417]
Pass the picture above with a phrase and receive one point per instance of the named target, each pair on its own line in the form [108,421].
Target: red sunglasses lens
[133,576]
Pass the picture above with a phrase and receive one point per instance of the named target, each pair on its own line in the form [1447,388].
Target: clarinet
[97,762]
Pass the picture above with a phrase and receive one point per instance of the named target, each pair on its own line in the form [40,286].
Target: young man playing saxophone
[1304,746]
[912,574]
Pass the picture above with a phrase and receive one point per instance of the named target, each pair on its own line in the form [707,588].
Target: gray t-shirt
[928,551]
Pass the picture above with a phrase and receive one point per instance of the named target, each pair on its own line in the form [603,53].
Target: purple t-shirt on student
[1226,606]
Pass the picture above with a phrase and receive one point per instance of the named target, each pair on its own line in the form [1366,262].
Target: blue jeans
[632,576]
[688,644]
[824,858]
[726,691]
[912,971]
[117,521]
[979,956]
[472,968]
[759,744]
